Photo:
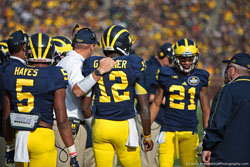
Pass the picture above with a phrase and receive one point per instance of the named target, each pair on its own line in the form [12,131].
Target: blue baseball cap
[85,36]
[242,59]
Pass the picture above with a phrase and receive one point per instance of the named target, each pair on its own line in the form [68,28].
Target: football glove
[146,143]
[74,161]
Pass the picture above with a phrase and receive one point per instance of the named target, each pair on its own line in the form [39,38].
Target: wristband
[147,137]
[86,83]
[10,145]
[72,150]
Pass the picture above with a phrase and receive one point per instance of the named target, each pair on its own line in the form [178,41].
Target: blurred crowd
[219,27]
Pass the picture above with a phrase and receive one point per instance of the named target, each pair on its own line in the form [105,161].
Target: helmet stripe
[47,49]
[39,45]
[4,44]
[61,41]
[108,35]
[117,35]
[103,42]
[32,48]
[186,42]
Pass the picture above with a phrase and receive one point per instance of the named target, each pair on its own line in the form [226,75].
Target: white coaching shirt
[73,63]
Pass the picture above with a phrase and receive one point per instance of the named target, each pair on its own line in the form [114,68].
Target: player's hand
[9,157]
[106,64]
[148,145]
[10,152]
[74,161]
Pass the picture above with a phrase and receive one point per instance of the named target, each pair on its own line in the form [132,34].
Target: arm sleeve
[60,77]
[140,85]
[218,119]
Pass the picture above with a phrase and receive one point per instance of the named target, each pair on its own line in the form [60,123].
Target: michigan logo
[193,80]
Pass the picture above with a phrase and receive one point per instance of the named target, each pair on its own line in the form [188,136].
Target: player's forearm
[146,121]
[66,132]
[8,132]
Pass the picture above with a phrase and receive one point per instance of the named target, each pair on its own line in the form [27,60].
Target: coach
[228,135]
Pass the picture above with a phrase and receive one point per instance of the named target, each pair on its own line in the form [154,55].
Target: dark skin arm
[145,119]
[62,118]
[204,101]
[8,132]
[155,106]
[86,106]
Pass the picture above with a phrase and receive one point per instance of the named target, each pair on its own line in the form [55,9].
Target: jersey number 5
[24,95]
[104,98]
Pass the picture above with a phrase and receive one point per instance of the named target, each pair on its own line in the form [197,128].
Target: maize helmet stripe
[61,41]
[4,47]
[4,44]
[117,35]
[32,48]
[108,36]
[47,49]
[103,42]
[39,44]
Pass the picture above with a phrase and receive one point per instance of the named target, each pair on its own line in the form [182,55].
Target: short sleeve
[60,77]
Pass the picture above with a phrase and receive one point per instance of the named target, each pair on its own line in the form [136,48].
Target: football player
[16,49]
[114,126]
[182,86]
[163,57]
[31,93]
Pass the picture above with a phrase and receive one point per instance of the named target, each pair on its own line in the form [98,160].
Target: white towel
[133,140]
[21,149]
[160,137]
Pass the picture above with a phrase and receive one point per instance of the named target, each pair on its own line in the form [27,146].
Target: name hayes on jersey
[26,71]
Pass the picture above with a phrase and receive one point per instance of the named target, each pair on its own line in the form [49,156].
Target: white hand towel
[133,139]
[21,149]
[160,137]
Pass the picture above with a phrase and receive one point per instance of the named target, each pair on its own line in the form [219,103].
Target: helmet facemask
[185,48]
[179,66]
